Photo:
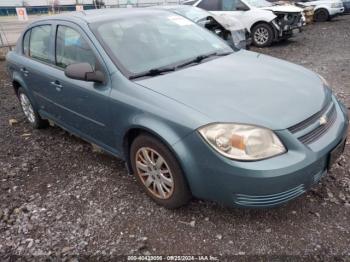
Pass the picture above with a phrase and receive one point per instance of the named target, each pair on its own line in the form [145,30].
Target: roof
[100,15]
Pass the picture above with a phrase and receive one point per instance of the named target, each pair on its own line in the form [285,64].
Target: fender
[251,17]
[322,6]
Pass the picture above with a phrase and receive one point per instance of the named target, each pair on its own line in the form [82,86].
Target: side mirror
[84,72]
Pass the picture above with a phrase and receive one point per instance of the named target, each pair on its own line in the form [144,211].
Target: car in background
[228,28]
[324,10]
[346,4]
[267,22]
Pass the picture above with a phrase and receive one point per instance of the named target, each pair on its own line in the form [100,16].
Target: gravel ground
[61,198]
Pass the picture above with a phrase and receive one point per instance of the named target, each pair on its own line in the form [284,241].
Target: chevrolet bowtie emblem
[323,120]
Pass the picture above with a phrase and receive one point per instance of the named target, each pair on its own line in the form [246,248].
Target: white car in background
[267,22]
[324,9]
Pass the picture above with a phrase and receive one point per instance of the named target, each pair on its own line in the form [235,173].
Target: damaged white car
[325,10]
[226,27]
[267,22]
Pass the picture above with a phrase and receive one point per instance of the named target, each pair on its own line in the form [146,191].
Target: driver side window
[72,48]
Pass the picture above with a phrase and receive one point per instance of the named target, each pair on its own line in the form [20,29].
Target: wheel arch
[263,22]
[320,7]
[16,85]
[136,131]
[270,24]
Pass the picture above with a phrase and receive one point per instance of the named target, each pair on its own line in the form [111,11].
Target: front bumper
[264,183]
[287,29]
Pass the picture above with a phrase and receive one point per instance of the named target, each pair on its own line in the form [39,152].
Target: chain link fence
[49,9]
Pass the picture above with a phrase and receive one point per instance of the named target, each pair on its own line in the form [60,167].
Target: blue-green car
[189,116]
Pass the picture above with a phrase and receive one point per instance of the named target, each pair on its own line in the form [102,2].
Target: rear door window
[39,43]
[72,48]
[210,5]
[232,5]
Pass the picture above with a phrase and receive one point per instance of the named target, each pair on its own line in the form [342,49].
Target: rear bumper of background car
[264,183]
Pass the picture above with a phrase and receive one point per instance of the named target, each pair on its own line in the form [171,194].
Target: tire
[262,35]
[168,189]
[321,15]
[29,111]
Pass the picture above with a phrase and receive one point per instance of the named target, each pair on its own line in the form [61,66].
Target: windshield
[139,43]
[258,3]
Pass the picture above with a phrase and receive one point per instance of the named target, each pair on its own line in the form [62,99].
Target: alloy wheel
[154,173]
[261,36]
[27,108]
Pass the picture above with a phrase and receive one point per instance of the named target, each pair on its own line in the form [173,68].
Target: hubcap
[261,35]
[27,108]
[154,173]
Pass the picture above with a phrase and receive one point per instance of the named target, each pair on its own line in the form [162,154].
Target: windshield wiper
[160,71]
[200,58]
[153,72]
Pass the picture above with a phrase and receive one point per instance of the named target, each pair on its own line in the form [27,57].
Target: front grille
[329,111]
[309,121]
[321,129]
[268,200]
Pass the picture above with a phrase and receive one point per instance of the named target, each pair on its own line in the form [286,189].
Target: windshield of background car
[193,13]
[258,3]
[142,42]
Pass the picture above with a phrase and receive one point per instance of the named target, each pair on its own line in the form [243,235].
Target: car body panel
[326,4]
[251,17]
[283,8]
[249,94]
[244,87]
[259,183]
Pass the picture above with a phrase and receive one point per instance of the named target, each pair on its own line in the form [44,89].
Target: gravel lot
[61,198]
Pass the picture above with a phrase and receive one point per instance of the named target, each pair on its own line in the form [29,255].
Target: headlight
[242,142]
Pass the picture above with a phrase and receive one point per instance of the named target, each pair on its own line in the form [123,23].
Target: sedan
[190,116]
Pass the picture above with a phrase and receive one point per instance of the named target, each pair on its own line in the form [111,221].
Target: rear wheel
[159,172]
[262,35]
[29,111]
[321,15]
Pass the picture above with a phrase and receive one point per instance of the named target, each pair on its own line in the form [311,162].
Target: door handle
[57,84]
[24,71]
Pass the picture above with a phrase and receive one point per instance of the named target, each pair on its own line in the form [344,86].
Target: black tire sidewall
[271,34]
[181,194]
[325,15]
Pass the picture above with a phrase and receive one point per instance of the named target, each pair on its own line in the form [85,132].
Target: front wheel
[158,172]
[262,35]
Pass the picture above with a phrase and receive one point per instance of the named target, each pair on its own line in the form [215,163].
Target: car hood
[283,8]
[245,87]
[228,22]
